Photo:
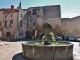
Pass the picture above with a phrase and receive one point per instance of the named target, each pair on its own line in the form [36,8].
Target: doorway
[27,34]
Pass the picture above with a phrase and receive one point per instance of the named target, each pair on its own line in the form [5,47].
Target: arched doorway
[47,29]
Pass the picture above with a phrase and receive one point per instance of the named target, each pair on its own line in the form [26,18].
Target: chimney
[12,7]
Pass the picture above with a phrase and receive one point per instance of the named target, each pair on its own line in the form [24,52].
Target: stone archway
[47,27]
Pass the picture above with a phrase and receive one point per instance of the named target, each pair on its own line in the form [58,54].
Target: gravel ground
[12,51]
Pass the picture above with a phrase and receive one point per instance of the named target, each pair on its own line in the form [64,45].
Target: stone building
[46,14]
[22,23]
[9,22]
[52,15]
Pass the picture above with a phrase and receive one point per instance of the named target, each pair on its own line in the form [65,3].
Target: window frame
[5,16]
[34,12]
[11,15]
[8,34]
[11,23]
[5,23]
[21,23]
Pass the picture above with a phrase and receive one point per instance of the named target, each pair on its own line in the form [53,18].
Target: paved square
[12,51]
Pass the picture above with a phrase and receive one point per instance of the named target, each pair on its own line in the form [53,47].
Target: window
[27,25]
[29,12]
[11,23]
[5,23]
[11,15]
[21,23]
[38,9]
[0,23]
[21,15]
[34,12]
[8,34]
[5,16]
[8,23]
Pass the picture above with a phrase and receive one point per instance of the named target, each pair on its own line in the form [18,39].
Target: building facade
[9,22]
[46,14]
[1,22]
[22,23]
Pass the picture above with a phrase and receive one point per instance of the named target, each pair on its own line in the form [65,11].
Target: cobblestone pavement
[12,51]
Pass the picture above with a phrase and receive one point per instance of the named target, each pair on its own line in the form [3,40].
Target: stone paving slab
[12,51]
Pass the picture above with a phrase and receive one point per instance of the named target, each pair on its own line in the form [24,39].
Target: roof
[75,17]
[8,10]
[45,6]
[65,18]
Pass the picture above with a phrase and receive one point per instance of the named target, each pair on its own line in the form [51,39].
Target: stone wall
[65,26]
[46,14]
[71,26]
[52,15]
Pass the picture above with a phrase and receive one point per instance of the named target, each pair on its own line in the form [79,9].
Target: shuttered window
[8,34]
[21,23]
[11,23]
[0,23]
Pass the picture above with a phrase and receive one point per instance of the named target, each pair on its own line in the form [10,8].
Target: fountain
[47,49]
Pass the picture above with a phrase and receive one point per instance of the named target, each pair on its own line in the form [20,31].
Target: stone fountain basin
[48,52]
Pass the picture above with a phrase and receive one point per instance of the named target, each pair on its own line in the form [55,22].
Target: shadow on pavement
[18,57]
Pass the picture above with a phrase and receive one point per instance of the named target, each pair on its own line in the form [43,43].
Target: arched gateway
[47,28]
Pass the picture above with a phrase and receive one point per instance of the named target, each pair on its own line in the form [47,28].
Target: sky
[69,8]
